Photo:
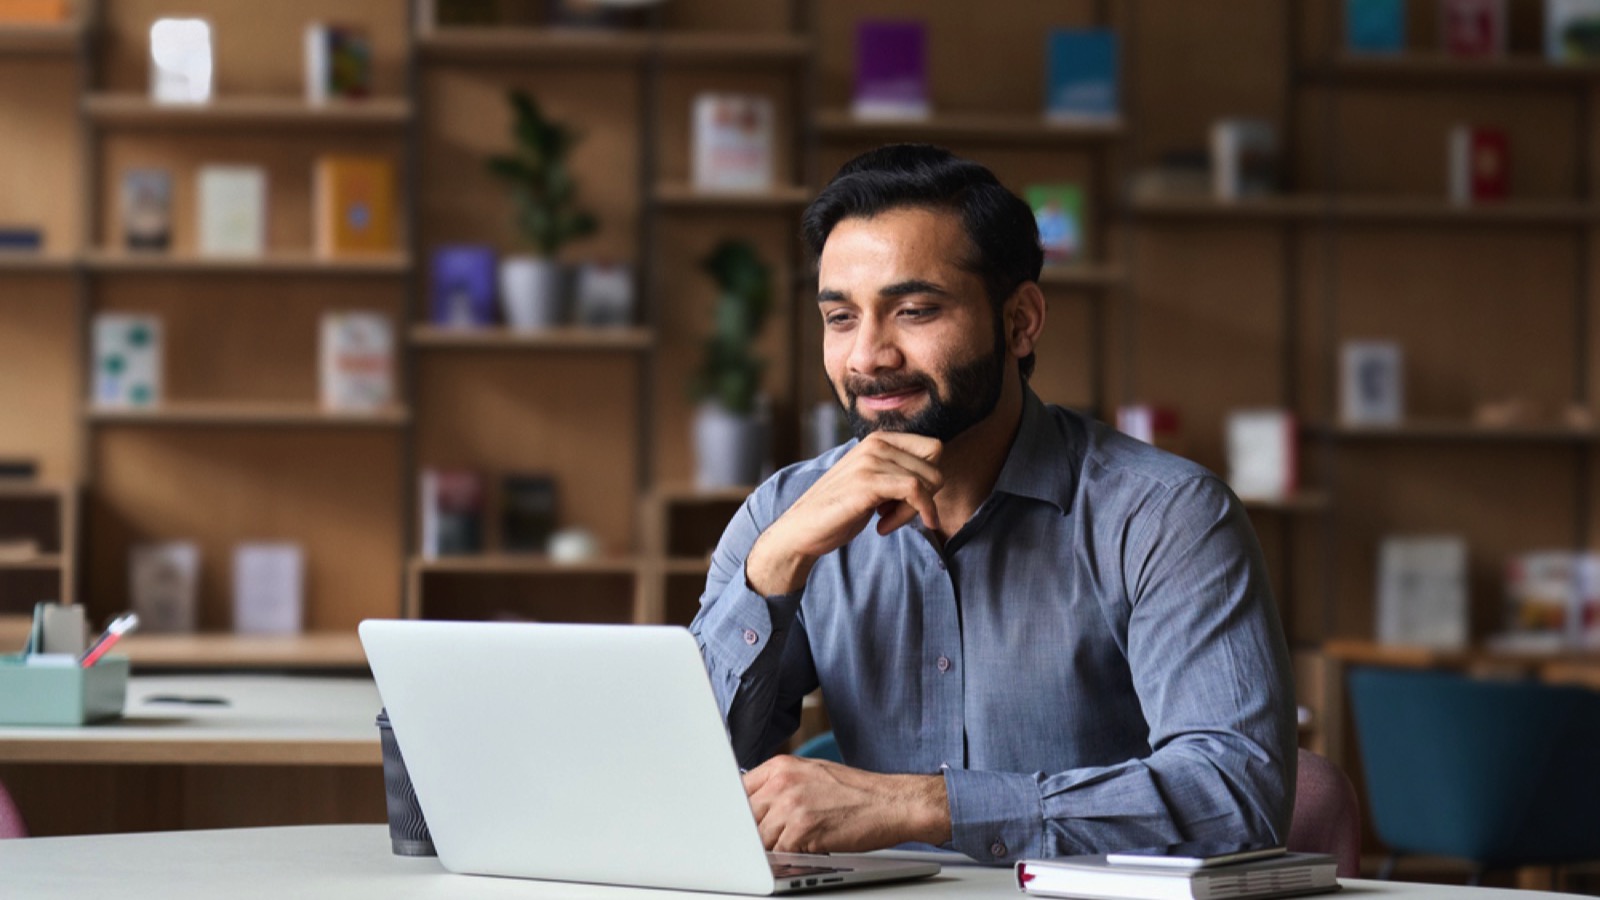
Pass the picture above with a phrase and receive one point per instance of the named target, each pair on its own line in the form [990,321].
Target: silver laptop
[587,753]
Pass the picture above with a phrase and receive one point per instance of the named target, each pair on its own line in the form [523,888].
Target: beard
[972,393]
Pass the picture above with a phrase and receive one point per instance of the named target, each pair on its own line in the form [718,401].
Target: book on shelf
[891,70]
[233,210]
[164,585]
[1480,164]
[1572,30]
[1422,591]
[1081,76]
[180,60]
[733,142]
[357,361]
[1286,875]
[451,503]
[1473,29]
[1244,159]
[528,513]
[127,360]
[463,286]
[1156,425]
[355,205]
[34,12]
[1058,210]
[1552,601]
[21,239]
[268,588]
[338,62]
[1263,454]
[146,212]
[1371,383]
[18,468]
[1375,26]
[603,295]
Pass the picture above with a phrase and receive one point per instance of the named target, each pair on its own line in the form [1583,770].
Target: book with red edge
[1093,878]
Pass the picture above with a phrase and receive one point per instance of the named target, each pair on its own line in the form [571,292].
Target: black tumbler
[408,831]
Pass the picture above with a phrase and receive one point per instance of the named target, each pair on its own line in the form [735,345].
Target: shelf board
[492,45]
[27,489]
[274,415]
[216,650]
[439,337]
[1084,276]
[684,196]
[984,127]
[1368,210]
[1285,207]
[715,47]
[1303,502]
[689,495]
[137,110]
[29,262]
[531,564]
[284,263]
[1466,432]
[1434,69]
[688,565]
[44,562]
[20,39]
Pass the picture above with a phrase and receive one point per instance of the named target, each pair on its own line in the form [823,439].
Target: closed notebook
[355,205]
[1289,875]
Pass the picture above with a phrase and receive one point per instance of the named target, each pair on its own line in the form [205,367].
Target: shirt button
[944,663]
[750,636]
[941,565]
[998,848]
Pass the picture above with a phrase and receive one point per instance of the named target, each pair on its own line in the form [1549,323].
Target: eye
[918,312]
[837,318]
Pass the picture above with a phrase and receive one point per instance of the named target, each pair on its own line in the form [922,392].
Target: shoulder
[1126,474]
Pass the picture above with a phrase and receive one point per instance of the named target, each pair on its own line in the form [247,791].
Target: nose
[874,349]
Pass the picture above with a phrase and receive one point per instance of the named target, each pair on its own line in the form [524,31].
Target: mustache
[862,386]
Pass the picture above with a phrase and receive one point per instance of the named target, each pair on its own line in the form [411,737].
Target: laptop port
[810,882]
[794,883]
[832,880]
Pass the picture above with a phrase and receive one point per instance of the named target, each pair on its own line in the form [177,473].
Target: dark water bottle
[408,831]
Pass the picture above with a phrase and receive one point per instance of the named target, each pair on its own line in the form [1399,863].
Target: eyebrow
[898,289]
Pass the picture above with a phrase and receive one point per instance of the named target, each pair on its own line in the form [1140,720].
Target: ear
[1024,319]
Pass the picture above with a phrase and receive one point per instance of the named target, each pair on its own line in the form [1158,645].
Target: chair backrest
[1498,772]
[11,824]
[1327,816]
[823,746]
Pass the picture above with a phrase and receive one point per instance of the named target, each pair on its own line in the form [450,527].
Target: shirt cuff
[995,817]
[742,623]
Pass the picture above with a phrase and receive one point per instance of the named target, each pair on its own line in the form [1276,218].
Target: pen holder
[408,830]
[63,694]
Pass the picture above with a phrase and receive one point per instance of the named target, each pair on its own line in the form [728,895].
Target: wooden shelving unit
[967,127]
[253,415]
[1436,69]
[571,339]
[44,562]
[1462,432]
[479,45]
[253,112]
[506,564]
[683,196]
[25,262]
[40,40]
[1084,277]
[276,263]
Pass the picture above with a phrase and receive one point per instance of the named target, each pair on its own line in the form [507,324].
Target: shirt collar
[1042,461]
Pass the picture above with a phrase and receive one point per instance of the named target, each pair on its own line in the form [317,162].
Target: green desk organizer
[61,695]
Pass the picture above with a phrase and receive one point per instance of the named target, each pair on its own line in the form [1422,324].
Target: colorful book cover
[1375,26]
[355,205]
[357,361]
[733,142]
[127,360]
[891,70]
[1058,208]
[528,510]
[451,503]
[1480,164]
[1081,77]
[338,63]
[463,286]
[233,210]
[146,209]
[1572,30]
[1474,29]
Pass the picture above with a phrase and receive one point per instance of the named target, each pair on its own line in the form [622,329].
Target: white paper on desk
[268,588]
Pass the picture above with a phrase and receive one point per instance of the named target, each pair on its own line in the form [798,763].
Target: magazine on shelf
[891,70]
[127,360]
[1081,75]
[1473,29]
[357,361]
[1375,26]
[733,142]
[338,62]
[233,210]
[463,286]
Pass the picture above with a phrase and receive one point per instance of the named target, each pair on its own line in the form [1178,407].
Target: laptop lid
[587,753]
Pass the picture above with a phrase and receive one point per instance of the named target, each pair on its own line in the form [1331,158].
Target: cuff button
[998,848]
[750,636]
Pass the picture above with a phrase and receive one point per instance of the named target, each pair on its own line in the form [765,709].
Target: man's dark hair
[1000,227]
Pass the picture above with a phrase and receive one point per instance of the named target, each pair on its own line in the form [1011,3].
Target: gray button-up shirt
[1093,661]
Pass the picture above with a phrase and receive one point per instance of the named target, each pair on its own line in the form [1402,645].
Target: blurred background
[496,309]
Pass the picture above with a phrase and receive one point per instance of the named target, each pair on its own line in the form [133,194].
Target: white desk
[353,862]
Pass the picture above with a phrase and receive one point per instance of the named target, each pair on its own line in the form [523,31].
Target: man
[1035,636]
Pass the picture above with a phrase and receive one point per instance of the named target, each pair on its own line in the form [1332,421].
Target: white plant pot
[531,292]
[729,449]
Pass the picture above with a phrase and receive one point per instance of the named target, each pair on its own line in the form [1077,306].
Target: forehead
[894,243]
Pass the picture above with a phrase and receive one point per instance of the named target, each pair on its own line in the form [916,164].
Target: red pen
[119,626]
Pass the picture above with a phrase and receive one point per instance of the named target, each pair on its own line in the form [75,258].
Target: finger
[755,778]
[914,493]
[894,515]
[920,446]
[926,471]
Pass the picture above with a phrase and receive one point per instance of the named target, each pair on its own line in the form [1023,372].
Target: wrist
[772,568]
[928,813]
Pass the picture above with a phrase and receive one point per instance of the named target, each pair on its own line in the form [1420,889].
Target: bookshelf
[248,112]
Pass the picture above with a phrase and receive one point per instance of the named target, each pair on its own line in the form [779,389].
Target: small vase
[531,292]
[728,448]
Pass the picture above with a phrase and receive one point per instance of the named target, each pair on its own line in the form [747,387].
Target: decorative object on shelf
[127,360]
[233,210]
[451,502]
[1473,29]
[180,61]
[1572,30]
[1375,26]
[1552,601]
[432,13]
[528,513]
[1480,165]
[1158,426]
[18,468]
[573,545]
[357,361]
[1422,591]
[1081,76]
[1371,383]
[547,214]
[1179,173]
[146,209]
[164,585]
[729,436]
[268,588]
[355,204]
[21,238]
[1058,208]
[891,70]
[733,142]
[34,12]
[1244,159]
[1263,454]
[826,428]
[604,295]
[1508,413]
[463,286]
[338,62]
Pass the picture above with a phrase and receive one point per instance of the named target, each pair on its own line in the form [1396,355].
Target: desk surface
[268,720]
[353,862]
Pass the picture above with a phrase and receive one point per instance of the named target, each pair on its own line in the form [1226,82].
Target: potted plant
[729,427]
[547,213]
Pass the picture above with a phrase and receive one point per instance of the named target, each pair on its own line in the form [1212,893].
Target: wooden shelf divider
[1458,431]
[248,414]
[531,564]
[503,46]
[1436,69]
[1083,276]
[968,126]
[553,339]
[40,40]
[684,196]
[1368,210]
[1302,502]
[275,263]
[139,111]
[29,262]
